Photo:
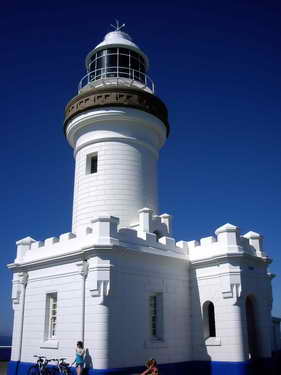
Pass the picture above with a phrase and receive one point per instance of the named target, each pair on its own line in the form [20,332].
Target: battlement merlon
[160,224]
[22,246]
[227,241]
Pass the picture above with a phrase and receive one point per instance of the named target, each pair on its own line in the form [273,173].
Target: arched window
[209,322]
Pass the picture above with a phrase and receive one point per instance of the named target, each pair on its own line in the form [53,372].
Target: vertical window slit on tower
[91,163]
[94,164]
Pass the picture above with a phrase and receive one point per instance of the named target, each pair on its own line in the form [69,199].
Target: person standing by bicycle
[79,357]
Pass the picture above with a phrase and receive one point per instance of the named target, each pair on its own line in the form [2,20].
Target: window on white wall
[156,316]
[51,316]
[209,322]
[92,163]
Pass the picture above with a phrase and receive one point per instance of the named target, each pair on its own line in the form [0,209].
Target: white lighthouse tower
[116,126]
[119,281]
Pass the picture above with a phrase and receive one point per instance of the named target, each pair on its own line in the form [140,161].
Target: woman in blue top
[79,357]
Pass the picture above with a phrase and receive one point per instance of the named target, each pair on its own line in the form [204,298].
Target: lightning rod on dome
[118,27]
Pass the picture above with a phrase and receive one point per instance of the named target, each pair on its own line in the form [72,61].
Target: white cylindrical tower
[116,126]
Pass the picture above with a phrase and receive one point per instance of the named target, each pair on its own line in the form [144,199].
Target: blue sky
[216,64]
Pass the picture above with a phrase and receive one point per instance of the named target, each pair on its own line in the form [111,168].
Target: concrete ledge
[49,344]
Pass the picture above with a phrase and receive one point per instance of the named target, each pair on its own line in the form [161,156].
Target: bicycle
[40,368]
[61,367]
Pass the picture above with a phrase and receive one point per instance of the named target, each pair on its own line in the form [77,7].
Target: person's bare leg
[78,370]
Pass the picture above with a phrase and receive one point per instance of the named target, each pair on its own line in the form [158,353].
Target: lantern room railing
[116,76]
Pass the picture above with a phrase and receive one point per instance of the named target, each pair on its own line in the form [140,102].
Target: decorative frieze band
[96,98]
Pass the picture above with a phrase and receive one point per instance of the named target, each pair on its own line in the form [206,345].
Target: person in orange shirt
[152,368]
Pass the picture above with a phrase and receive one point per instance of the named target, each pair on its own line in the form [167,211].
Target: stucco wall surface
[126,142]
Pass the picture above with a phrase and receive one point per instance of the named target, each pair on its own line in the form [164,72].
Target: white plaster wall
[116,315]
[125,268]
[125,182]
[227,285]
[257,283]
[117,329]
[127,142]
[206,286]
[16,330]
[65,280]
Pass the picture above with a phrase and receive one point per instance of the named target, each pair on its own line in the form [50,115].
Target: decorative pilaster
[18,297]
[84,268]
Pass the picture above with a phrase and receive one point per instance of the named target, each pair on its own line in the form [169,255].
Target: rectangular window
[51,316]
[92,163]
[156,316]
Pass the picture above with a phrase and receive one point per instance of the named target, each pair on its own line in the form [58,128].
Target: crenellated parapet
[227,241]
[152,234]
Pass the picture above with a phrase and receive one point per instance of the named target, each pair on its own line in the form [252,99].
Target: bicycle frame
[62,366]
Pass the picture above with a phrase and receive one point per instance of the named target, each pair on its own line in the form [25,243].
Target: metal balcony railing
[117,76]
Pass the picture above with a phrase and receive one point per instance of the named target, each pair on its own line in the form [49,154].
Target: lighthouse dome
[117,38]
[117,60]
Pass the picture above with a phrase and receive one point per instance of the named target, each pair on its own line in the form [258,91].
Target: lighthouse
[119,280]
[116,126]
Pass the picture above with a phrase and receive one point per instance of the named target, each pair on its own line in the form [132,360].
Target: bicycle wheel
[33,370]
[47,371]
[53,371]
[66,371]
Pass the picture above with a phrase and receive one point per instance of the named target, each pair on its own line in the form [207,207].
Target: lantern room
[117,60]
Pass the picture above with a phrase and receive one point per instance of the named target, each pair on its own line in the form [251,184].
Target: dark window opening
[94,164]
[212,325]
[209,323]
[156,316]
[111,50]
[252,332]
[158,235]
[111,60]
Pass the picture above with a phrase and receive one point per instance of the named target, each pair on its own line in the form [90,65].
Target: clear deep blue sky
[216,64]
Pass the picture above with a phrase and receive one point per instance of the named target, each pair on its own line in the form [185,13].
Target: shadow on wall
[201,328]
[88,360]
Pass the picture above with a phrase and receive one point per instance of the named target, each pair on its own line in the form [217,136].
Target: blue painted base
[12,368]
[268,366]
